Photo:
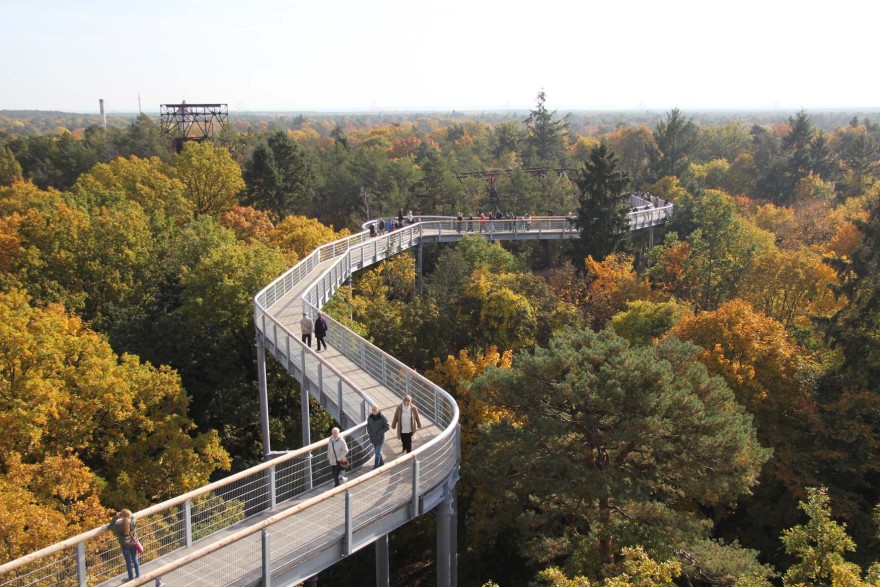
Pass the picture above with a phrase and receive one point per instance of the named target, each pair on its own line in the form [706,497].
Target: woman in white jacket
[337,454]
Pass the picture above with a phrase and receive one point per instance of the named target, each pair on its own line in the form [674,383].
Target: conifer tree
[601,219]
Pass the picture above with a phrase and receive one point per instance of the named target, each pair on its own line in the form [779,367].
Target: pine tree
[546,134]
[676,139]
[603,445]
[602,215]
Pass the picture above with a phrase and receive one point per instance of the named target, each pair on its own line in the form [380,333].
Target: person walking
[337,455]
[306,327]
[377,426]
[123,525]
[406,422]
[320,331]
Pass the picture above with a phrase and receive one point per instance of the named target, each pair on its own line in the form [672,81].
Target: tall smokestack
[103,116]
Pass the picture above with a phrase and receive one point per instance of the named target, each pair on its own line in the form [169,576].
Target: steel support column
[445,547]
[383,577]
[419,269]
[264,396]
[304,403]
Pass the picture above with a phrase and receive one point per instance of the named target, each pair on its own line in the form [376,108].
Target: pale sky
[387,55]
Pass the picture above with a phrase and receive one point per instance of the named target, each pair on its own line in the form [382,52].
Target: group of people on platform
[406,422]
[485,222]
[385,225]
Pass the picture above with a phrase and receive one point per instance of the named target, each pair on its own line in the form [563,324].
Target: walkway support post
[383,576]
[304,402]
[445,546]
[264,395]
[267,560]
[82,577]
[419,269]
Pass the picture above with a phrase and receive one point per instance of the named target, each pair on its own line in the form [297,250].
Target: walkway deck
[283,519]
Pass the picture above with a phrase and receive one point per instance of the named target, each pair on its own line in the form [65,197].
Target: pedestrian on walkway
[337,455]
[406,422]
[123,525]
[320,331]
[377,426]
[306,327]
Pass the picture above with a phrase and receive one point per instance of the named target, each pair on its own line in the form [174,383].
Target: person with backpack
[123,525]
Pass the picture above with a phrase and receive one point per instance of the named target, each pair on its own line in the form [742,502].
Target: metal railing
[309,527]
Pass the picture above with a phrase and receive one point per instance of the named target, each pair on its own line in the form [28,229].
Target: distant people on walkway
[459,221]
[409,217]
[337,456]
[377,426]
[123,525]
[470,226]
[406,422]
[483,222]
[306,328]
[572,220]
[372,229]
[321,331]
[528,218]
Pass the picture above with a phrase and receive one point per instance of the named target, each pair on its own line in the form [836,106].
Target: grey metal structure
[283,522]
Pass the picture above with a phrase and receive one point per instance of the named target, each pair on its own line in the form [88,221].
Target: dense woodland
[701,412]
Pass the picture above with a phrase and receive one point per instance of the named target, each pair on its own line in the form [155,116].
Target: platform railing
[188,520]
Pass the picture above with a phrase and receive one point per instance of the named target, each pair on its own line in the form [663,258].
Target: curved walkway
[283,521]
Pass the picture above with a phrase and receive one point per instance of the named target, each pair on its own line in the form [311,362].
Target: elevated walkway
[282,521]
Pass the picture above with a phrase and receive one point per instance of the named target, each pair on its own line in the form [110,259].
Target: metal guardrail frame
[343,250]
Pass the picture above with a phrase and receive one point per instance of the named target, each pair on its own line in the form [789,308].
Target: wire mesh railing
[191,520]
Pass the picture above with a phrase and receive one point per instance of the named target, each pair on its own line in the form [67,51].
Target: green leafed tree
[10,170]
[545,134]
[676,138]
[279,177]
[604,445]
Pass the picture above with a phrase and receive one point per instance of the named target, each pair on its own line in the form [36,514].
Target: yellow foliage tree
[612,283]
[140,180]
[298,236]
[211,177]
[455,375]
[77,421]
[506,317]
[790,285]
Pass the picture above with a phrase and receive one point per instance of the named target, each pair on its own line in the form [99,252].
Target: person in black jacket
[377,426]
[321,331]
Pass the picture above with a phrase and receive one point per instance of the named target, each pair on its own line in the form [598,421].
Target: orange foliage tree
[612,283]
[768,372]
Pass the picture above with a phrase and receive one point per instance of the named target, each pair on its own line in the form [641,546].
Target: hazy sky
[383,55]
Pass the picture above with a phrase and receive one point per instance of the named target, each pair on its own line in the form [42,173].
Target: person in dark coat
[321,331]
[377,426]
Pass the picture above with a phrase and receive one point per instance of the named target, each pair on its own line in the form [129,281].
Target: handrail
[174,501]
[399,379]
[253,529]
